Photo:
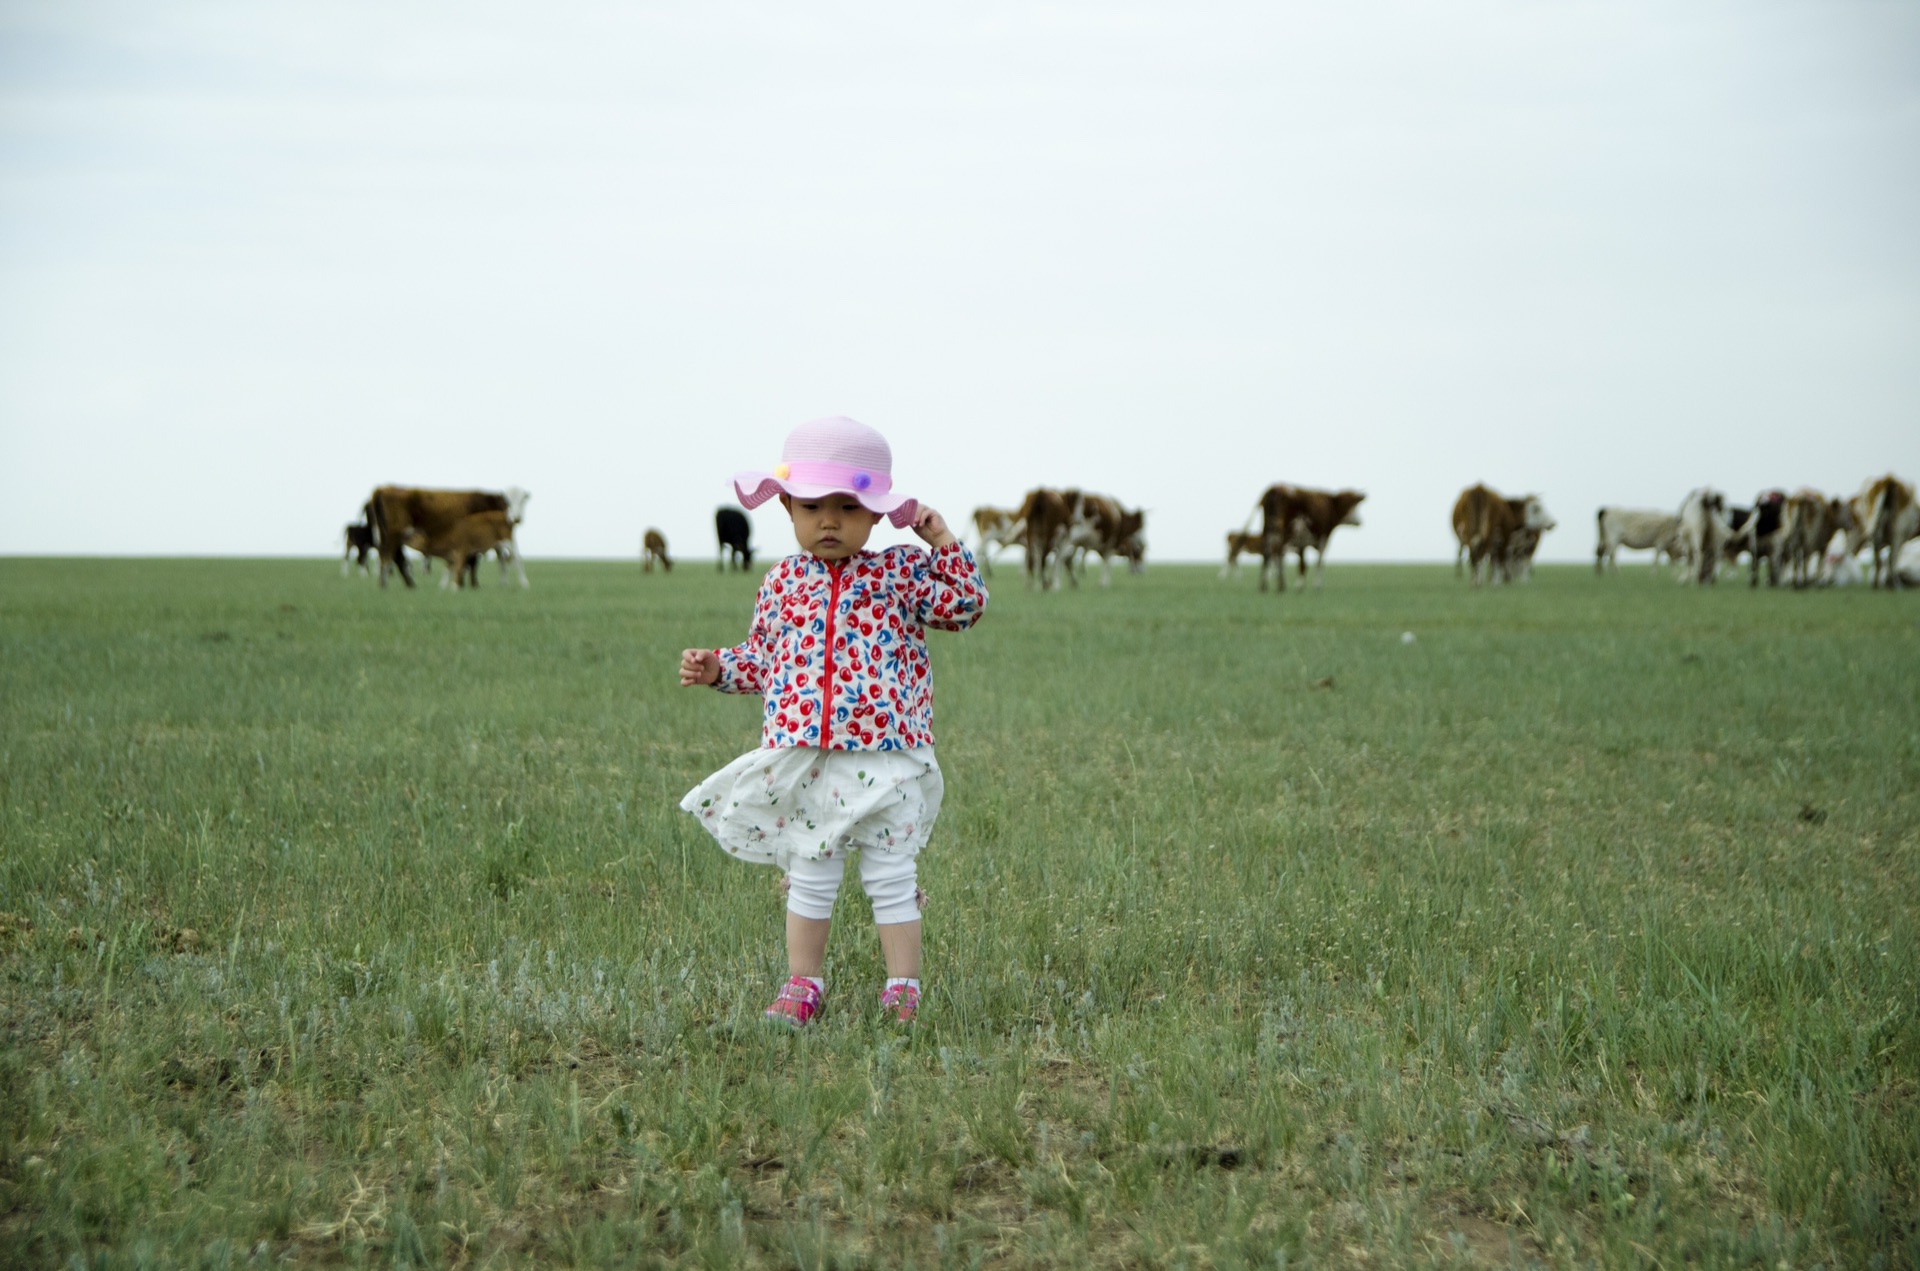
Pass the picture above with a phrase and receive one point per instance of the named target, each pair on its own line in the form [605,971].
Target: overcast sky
[256,259]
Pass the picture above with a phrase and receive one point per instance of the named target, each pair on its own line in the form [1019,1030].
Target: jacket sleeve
[946,590]
[743,668]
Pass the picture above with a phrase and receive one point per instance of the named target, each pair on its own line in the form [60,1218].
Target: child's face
[833,528]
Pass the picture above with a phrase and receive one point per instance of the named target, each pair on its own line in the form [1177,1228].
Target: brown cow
[1293,517]
[1047,518]
[1489,527]
[464,544]
[1239,543]
[653,548]
[399,512]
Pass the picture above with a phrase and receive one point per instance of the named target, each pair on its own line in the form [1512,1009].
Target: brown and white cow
[1638,530]
[653,547]
[1100,525]
[401,512]
[1499,531]
[1808,523]
[464,544]
[1297,518]
[1047,519]
[1239,543]
[998,528]
[1885,517]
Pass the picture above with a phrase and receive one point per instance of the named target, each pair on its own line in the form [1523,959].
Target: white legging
[887,876]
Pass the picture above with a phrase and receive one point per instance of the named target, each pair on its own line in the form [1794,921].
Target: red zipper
[826,691]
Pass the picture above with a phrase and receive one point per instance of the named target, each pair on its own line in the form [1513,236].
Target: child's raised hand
[932,527]
[698,666]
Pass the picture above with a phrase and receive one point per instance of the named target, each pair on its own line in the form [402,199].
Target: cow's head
[516,503]
[1349,501]
[1534,515]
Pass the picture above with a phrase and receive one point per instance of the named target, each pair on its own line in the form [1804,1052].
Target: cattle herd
[458,527]
[1794,536]
[1791,535]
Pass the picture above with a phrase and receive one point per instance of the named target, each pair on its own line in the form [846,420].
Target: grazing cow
[1762,534]
[463,544]
[1500,531]
[1297,518]
[1239,543]
[1884,517]
[1047,519]
[998,528]
[1703,534]
[399,512]
[735,533]
[653,547]
[360,542]
[1638,530]
[1098,524]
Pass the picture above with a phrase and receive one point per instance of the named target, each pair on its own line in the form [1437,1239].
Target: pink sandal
[902,999]
[798,1003]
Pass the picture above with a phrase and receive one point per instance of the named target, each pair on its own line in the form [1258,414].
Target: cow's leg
[1319,565]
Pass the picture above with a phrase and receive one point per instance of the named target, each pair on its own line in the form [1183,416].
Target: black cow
[360,544]
[1757,530]
[734,531]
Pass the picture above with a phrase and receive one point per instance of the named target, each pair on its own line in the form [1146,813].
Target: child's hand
[698,666]
[932,527]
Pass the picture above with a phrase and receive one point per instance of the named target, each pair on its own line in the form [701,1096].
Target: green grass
[361,928]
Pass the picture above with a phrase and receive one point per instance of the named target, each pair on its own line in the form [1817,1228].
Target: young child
[838,651]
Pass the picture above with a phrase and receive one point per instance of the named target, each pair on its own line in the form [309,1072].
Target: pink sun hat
[831,456]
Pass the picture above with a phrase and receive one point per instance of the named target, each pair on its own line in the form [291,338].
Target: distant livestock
[1703,534]
[360,543]
[1758,531]
[735,532]
[1500,532]
[1063,526]
[400,514]
[1884,518]
[1044,514]
[1239,543]
[1811,519]
[464,544]
[1636,529]
[1098,525]
[1295,518]
[998,528]
[653,547]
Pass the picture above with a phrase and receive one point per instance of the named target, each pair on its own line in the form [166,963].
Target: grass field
[340,927]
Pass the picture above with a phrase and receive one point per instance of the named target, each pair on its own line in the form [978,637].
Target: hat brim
[755,488]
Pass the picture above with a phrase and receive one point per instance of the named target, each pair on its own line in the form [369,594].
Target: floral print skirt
[771,805]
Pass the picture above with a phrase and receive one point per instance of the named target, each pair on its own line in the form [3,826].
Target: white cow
[1639,530]
[1703,534]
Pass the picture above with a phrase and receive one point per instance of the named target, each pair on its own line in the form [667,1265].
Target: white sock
[903,981]
[819,985]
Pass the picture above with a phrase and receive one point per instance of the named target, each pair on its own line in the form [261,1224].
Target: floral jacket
[839,651]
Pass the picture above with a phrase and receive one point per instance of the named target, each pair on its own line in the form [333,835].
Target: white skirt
[772,805]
